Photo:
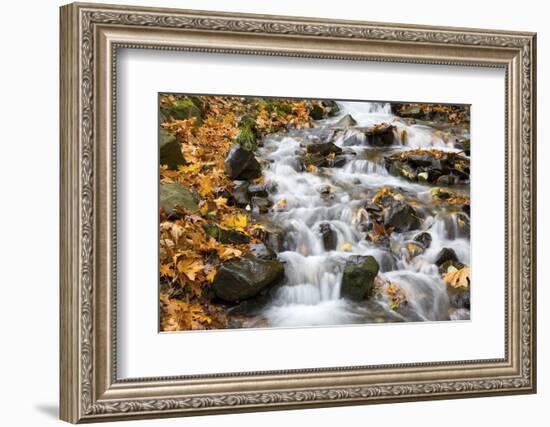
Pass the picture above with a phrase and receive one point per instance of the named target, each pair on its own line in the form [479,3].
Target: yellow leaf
[237,222]
[312,168]
[210,276]
[226,252]
[166,270]
[459,278]
[205,186]
[346,247]
[221,202]
[190,267]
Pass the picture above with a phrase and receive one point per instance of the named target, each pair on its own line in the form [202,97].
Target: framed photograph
[267,212]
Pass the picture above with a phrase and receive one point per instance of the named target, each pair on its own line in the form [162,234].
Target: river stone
[257,190]
[459,297]
[174,196]
[263,204]
[446,180]
[331,107]
[316,112]
[444,255]
[170,150]
[358,278]
[337,161]
[245,278]
[463,224]
[328,236]
[346,121]
[381,135]
[403,218]
[424,238]
[226,236]
[273,237]
[323,148]
[240,193]
[241,164]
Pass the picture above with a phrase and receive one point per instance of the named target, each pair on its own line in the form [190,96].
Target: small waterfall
[314,201]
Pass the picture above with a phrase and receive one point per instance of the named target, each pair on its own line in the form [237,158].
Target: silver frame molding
[90,37]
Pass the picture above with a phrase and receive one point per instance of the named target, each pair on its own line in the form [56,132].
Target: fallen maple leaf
[459,278]
[237,222]
[190,267]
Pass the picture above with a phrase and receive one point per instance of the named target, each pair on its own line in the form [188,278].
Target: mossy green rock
[170,150]
[174,197]
[246,139]
[226,236]
[358,278]
[183,108]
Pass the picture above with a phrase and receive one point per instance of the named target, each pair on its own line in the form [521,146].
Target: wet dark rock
[433,166]
[331,107]
[403,217]
[257,190]
[261,251]
[373,207]
[240,193]
[241,164]
[459,297]
[463,224]
[322,148]
[346,121]
[226,236]
[316,112]
[446,180]
[174,198]
[424,238]
[328,235]
[261,203]
[273,237]
[444,255]
[336,162]
[381,135]
[245,278]
[358,278]
[170,150]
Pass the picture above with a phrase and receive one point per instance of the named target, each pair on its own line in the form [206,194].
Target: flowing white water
[311,291]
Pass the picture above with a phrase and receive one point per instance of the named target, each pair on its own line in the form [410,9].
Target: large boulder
[402,217]
[241,164]
[174,198]
[358,278]
[245,278]
[170,150]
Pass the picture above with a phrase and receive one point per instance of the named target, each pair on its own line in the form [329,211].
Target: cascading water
[310,294]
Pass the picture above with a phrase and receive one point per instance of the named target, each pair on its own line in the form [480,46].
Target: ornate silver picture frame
[91,390]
